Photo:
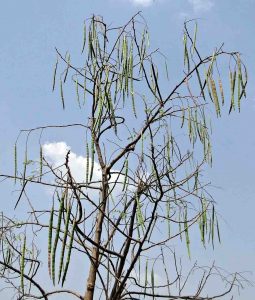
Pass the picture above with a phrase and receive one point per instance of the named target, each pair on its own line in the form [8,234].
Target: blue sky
[30,30]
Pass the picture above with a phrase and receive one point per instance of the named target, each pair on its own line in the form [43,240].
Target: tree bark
[90,285]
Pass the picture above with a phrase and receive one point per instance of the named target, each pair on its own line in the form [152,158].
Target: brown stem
[90,286]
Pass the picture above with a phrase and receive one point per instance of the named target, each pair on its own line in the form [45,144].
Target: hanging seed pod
[221,92]
[218,230]
[152,282]
[87,162]
[126,173]
[139,213]
[166,69]
[50,238]
[77,91]
[61,207]
[54,74]
[22,265]
[69,252]
[200,84]
[133,105]
[180,226]
[194,39]
[68,66]
[212,226]
[239,83]
[168,217]
[62,94]
[215,96]
[186,54]
[84,37]
[67,220]
[92,146]
[186,229]
[232,78]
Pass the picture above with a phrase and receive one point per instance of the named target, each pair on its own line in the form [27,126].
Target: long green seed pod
[215,96]
[239,82]
[221,92]
[84,37]
[69,252]
[92,146]
[168,206]
[87,162]
[212,225]
[22,265]
[218,230]
[64,241]
[194,39]
[68,66]
[152,282]
[77,91]
[61,206]
[186,228]
[139,213]
[186,54]
[126,173]
[54,75]
[200,84]
[232,77]
[50,238]
[62,94]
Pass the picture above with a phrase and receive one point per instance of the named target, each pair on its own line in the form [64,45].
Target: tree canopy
[140,187]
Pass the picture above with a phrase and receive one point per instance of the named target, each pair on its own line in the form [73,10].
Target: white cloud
[142,2]
[201,5]
[55,154]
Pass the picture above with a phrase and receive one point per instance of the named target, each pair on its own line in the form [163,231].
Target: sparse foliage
[145,145]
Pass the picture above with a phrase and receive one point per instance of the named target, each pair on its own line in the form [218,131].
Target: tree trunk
[90,285]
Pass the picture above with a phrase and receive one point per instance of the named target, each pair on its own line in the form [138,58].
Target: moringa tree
[146,140]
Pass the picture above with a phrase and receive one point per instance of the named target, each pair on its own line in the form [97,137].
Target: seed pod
[61,206]
[139,213]
[168,217]
[221,92]
[69,252]
[84,37]
[54,74]
[64,241]
[194,39]
[92,157]
[186,228]
[212,226]
[68,66]
[218,230]
[152,282]
[186,54]
[200,84]
[77,91]
[50,238]
[126,173]
[215,96]
[87,163]
[232,77]
[62,94]
[22,265]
